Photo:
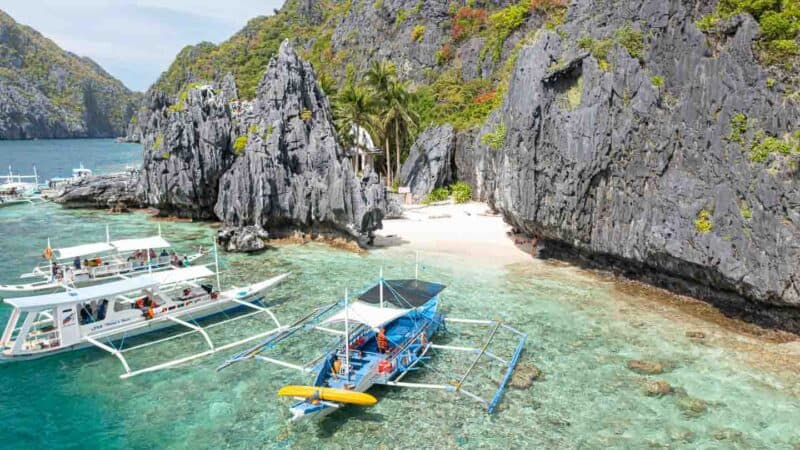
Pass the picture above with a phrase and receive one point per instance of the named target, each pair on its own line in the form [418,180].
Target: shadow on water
[330,425]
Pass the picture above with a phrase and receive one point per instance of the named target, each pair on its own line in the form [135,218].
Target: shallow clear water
[580,332]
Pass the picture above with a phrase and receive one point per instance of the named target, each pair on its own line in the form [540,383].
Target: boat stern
[312,409]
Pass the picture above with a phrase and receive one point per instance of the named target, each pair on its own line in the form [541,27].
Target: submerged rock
[116,192]
[524,376]
[430,161]
[695,335]
[657,388]
[691,407]
[247,239]
[645,367]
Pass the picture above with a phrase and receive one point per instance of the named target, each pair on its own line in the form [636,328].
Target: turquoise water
[57,157]
[582,331]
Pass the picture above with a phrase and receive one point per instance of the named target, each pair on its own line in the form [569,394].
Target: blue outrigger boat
[388,332]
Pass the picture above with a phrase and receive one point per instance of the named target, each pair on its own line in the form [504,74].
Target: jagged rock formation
[430,161]
[247,239]
[273,163]
[46,92]
[600,159]
[115,191]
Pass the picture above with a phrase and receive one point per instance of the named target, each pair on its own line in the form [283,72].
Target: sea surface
[582,330]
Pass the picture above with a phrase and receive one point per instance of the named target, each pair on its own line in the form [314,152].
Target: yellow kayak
[329,394]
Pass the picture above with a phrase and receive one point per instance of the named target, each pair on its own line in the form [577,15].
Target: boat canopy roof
[403,293]
[122,245]
[107,290]
[177,275]
[364,313]
[82,250]
[127,245]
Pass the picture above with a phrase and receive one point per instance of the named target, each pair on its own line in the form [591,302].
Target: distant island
[47,92]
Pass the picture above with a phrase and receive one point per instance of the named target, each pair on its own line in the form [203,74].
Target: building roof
[402,293]
[100,291]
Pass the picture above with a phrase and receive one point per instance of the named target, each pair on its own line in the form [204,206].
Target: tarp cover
[403,293]
[82,250]
[106,290]
[129,245]
[372,316]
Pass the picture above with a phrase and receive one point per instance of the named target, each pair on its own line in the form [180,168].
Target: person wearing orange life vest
[383,343]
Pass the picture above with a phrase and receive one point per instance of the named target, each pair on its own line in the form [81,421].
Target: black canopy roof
[403,293]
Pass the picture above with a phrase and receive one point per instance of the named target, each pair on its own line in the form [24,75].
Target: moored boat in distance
[16,189]
[91,263]
[388,332]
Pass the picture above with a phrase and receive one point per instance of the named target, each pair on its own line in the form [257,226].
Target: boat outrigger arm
[458,386]
[235,295]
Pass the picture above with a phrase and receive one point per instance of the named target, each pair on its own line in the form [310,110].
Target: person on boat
[83,315]
[102,309]
[185,262]
[77,262]
[163,254]
[174,259]
[383,343]
[336,367]
[152,254]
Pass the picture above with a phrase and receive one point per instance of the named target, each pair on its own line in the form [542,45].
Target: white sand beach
[468,230]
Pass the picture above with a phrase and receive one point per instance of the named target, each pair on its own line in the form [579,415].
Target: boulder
[430,161]
[246,239]
[645,367]
[115,192]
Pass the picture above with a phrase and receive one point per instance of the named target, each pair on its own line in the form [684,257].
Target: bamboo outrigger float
[85,264]
[388,332]
[106,315]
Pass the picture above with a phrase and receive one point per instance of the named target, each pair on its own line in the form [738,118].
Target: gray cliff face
[430,161]
[626,172]
[186,152]
[273,163]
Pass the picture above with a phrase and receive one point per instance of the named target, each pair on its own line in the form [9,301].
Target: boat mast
[216,265]
[346,338]
[381,281]
[108,235]
[416,266]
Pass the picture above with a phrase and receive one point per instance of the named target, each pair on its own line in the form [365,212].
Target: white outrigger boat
[78,174]
[85,264]
[106,315]
[14,189]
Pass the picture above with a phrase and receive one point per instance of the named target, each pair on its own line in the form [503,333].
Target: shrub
[462,192]
[764,145]
[703,222]
[158,144]
[467,22]
[306,115]
[631,39]
[599,49]
[657,81]
[438,195]
[239,145]
[253,129]
[402,15]
[547,6]
[495,139]
[486,97]
[502,24]
[738,128]
[418,33]
[444,54]
[745,211]
[586,42]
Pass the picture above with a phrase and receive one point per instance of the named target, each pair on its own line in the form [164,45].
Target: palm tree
[380,77]
[402,117]
[354,105]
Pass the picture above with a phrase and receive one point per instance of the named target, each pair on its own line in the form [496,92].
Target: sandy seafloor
[739,387]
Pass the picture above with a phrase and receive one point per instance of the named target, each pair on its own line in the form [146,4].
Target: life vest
[383,343]
[151,312]
[384,366]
